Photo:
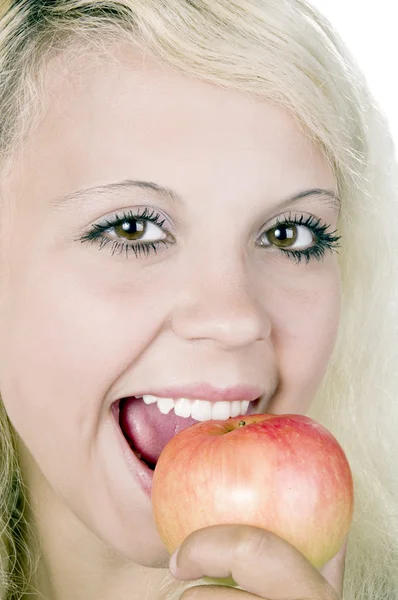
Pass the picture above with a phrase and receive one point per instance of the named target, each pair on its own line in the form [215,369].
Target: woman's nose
[220,306]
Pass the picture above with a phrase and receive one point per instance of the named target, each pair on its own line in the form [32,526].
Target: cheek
[68,338]
[304,334]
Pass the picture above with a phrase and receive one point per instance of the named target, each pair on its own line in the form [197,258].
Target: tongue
[147,429]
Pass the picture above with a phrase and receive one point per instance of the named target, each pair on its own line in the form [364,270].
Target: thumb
[334,570]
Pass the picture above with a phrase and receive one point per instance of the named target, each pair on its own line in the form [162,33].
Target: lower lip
[140,471]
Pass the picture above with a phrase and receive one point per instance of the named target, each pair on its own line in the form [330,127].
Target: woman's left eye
[296,237]
[301,237]
[289,236]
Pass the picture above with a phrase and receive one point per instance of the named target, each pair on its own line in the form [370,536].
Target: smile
[200,410]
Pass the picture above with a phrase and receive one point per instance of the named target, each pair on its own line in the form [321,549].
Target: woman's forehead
[126,116]
[125,85]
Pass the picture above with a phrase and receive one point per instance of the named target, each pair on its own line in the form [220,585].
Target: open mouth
[149,423]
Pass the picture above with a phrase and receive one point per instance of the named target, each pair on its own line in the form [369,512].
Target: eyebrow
[174,197]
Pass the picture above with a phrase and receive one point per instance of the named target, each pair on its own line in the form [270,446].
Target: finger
[334,570]
[259,561]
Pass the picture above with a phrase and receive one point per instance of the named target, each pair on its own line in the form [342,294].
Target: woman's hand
[260,562]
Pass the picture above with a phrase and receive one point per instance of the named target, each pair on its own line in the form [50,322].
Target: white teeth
[235,409]
[183,407]
[165,405]
[221,411]
[200,410]
[150,399]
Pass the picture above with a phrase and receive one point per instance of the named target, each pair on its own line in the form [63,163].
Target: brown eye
[131,229]
[286,236]
[134,229]
[140,233]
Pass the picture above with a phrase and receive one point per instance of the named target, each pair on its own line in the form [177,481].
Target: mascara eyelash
[95,234]
[323,240]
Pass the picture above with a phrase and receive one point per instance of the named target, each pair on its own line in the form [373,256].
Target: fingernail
[173,562]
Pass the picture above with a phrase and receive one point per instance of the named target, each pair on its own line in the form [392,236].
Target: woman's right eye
[133,229]
[139,233]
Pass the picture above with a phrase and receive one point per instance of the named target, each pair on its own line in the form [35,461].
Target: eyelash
[324,240]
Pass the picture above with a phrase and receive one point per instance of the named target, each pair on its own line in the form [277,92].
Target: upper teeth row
[200,410]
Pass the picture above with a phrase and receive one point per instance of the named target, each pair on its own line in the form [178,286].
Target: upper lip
[206,391]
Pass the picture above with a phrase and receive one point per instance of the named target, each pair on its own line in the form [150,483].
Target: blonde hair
[286,52]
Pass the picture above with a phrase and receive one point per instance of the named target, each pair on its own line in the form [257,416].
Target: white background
[370,30]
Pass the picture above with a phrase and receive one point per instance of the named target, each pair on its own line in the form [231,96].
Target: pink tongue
[147,428]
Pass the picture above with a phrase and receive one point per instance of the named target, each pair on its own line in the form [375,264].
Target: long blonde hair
[286,52]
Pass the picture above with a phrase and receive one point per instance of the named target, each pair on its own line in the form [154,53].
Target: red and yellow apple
[284,473]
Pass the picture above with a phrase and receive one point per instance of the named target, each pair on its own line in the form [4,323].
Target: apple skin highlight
[284,473]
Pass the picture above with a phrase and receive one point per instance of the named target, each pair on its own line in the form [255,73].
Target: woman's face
[86,320]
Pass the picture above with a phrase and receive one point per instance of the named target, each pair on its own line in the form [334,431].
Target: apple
[284,473]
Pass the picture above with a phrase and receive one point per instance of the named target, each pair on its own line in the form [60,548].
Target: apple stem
[242,423]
